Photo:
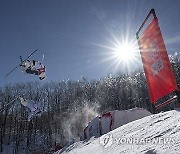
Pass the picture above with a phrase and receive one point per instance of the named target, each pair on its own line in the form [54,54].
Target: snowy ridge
[155,134]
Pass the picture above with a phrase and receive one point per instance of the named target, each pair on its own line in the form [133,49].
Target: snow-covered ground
[155,134]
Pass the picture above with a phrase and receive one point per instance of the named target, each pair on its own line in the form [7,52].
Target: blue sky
[76,36]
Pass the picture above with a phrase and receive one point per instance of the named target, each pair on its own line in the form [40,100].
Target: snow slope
[159,133]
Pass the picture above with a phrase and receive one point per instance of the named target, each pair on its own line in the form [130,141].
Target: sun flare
[125,52]
[122,54]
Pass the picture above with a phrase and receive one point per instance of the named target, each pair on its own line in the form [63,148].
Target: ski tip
[6,75]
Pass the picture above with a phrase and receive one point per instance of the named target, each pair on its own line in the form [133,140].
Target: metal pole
[152,11]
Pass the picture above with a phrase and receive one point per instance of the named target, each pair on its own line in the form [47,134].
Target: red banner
[157,67]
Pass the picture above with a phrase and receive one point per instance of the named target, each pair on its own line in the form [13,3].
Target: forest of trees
[66,106]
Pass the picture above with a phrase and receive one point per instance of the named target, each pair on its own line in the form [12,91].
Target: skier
[32,106]
[34,67]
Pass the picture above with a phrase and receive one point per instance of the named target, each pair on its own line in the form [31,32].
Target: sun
[120,54]
[125,52]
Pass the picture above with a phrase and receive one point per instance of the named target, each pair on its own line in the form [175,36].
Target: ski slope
[155,134]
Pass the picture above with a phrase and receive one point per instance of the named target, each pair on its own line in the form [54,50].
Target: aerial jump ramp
[112,120]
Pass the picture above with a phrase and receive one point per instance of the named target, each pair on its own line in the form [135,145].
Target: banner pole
[152,11]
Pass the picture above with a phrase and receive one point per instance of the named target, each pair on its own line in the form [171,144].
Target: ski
[6,105]
[21,62]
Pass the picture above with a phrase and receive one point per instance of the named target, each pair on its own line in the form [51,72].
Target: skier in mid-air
[32,106]
[34,67]
[28,67]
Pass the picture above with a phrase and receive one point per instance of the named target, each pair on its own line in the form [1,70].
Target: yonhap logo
[106,140]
